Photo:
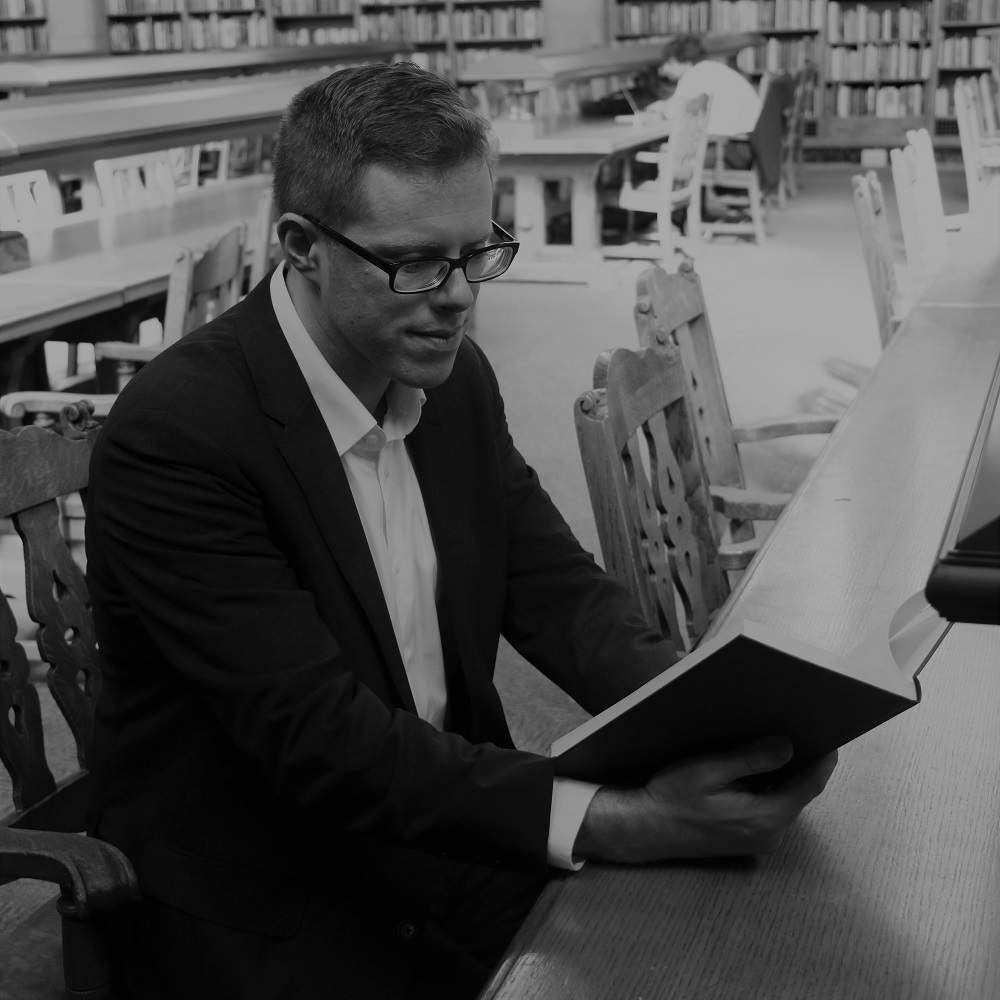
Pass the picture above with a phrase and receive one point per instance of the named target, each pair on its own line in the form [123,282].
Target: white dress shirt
[735,103]
[391,507]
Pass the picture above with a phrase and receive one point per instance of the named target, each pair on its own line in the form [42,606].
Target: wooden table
[889,884]
[574,153]
[102,264]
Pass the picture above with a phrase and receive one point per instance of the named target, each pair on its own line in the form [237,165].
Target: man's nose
[456,293]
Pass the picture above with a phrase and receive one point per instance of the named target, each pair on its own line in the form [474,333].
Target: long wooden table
[102,264]
[574,153]
[888,886]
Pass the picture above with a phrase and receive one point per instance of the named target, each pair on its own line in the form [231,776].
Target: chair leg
[757,210]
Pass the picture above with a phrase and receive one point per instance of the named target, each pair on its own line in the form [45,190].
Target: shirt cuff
[570,800]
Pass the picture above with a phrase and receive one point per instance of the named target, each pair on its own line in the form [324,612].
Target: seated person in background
[735,102]
[307,528]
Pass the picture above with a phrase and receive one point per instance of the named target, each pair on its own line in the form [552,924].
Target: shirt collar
[350,424]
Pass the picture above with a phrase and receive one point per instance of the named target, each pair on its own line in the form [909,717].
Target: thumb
[758,757]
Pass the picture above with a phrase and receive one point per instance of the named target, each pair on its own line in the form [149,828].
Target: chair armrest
[92,874]
[647,156]
[737,555]
[740,504]
[19,405]
[798,423]
[954,223]
[123,350]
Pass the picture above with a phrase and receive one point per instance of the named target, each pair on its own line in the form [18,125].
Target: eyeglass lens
[490,262]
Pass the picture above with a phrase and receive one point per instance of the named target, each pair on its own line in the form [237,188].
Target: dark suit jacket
[256,749]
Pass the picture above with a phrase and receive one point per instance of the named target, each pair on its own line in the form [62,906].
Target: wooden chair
[199,288]
[213,162]
[921,210]
[677,186]
[671,317]
[128,183]
[57,950]
[28,201]
[262,239]
[891,305]
[743,193]
[791,143]
[650,494]
[980,149]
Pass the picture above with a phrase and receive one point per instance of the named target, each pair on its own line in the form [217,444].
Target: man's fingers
[767,754]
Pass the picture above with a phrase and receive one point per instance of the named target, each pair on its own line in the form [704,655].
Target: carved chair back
[135,182]
[27,201]
[873,228]
[649,491]
[921,209]
[39,838]
[968,112]
[671,316]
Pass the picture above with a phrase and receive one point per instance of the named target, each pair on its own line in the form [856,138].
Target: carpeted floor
[778,311]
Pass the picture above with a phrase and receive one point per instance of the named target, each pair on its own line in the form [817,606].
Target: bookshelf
[197,25]
[314,22]
[883,66]
[452,36]
[23,27]
[968,44]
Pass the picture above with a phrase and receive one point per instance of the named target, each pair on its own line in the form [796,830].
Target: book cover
[746,683]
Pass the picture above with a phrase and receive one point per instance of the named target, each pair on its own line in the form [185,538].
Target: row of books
[663,18]
[478,23]
[972,10]
[224,6]
[959,51]
[887,62]
[944,97]
[757,15]
[326,35]
[778,55]
[221,32]
[147,36]
[321,7]
[145,6]
[875,101]
[19,40]
[861,23]
[22,8]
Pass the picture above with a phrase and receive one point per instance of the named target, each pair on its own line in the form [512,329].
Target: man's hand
[702,807]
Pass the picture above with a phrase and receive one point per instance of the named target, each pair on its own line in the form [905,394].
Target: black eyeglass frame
[392,268]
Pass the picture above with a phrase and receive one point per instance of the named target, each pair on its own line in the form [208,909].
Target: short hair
[397,115]
[684,49]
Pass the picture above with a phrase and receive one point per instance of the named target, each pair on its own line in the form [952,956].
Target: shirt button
[406,931]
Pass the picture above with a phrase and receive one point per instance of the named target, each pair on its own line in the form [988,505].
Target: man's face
[372,335]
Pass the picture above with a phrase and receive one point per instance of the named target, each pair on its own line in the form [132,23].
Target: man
[735,105]
[308,526]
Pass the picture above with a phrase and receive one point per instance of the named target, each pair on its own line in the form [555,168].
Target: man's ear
[299,241]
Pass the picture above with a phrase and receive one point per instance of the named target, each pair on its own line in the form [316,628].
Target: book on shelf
[750,682]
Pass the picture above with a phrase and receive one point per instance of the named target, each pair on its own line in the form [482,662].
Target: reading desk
[889,884]
[574,152]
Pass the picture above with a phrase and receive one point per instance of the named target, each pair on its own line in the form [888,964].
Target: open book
[749,682]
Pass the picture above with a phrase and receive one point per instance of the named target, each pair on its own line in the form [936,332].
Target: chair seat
[32,958]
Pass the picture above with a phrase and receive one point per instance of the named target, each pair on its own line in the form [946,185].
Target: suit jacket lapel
[305,443]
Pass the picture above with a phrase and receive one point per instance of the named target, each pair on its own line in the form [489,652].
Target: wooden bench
[41,838]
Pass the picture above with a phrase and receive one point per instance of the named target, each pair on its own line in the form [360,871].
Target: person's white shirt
[735,102]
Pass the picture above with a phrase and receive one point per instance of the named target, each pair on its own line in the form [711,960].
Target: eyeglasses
[427,273]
